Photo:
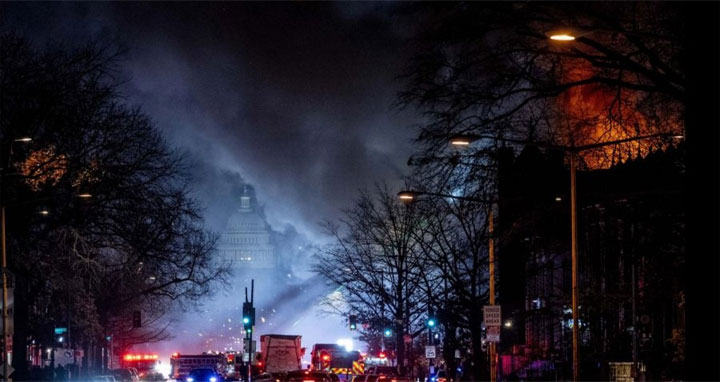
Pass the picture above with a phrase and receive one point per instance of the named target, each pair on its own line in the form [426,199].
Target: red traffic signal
[382,354]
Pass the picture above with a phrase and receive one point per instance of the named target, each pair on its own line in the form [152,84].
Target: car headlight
[213,379]
[190,379]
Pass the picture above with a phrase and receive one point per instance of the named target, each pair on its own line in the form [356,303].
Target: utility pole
[491,252]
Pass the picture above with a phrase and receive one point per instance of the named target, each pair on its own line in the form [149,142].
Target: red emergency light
[140,357]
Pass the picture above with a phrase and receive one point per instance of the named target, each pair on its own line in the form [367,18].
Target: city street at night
[359,191]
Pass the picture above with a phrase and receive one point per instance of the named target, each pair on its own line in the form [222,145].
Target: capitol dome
[246,221]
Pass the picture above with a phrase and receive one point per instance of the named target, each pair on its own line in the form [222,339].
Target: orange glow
[175,355]
[597,113]
[42,167]
[562,37]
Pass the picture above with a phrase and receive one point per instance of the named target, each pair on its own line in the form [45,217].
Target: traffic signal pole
[248,320]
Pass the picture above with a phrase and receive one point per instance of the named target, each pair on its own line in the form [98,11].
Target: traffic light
[388,332]
[248,316]
[432,320]
[353,322]
[136,319]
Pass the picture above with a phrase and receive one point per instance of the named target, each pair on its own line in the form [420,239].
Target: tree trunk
[400,346]
[479,357]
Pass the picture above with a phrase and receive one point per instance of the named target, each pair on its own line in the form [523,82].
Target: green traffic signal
[388,332]
[431,322]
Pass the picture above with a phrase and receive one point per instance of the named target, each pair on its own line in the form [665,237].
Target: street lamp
[572,152]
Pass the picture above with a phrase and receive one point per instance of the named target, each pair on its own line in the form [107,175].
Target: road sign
[493,334]
[491,315]
[429,351]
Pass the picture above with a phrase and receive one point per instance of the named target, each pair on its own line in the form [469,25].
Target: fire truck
[336,359]
[181,364]
[145,364]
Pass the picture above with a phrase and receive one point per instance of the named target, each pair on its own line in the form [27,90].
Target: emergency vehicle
[336,359]
[181,364]
[145,364]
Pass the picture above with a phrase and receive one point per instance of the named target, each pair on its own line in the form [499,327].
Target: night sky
[294,98]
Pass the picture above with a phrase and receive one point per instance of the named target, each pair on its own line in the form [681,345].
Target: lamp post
[572,152]
[410,195]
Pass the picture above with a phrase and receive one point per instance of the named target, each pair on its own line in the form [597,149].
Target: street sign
[491,315]
[429,351]
[493,334]
[60,330]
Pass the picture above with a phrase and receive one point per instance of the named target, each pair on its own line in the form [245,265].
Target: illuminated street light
[406,196]
[23,139]
[562,37]
[84,195]
[461,140]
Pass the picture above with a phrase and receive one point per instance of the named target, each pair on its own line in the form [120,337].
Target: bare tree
[376,263]
[138,244]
